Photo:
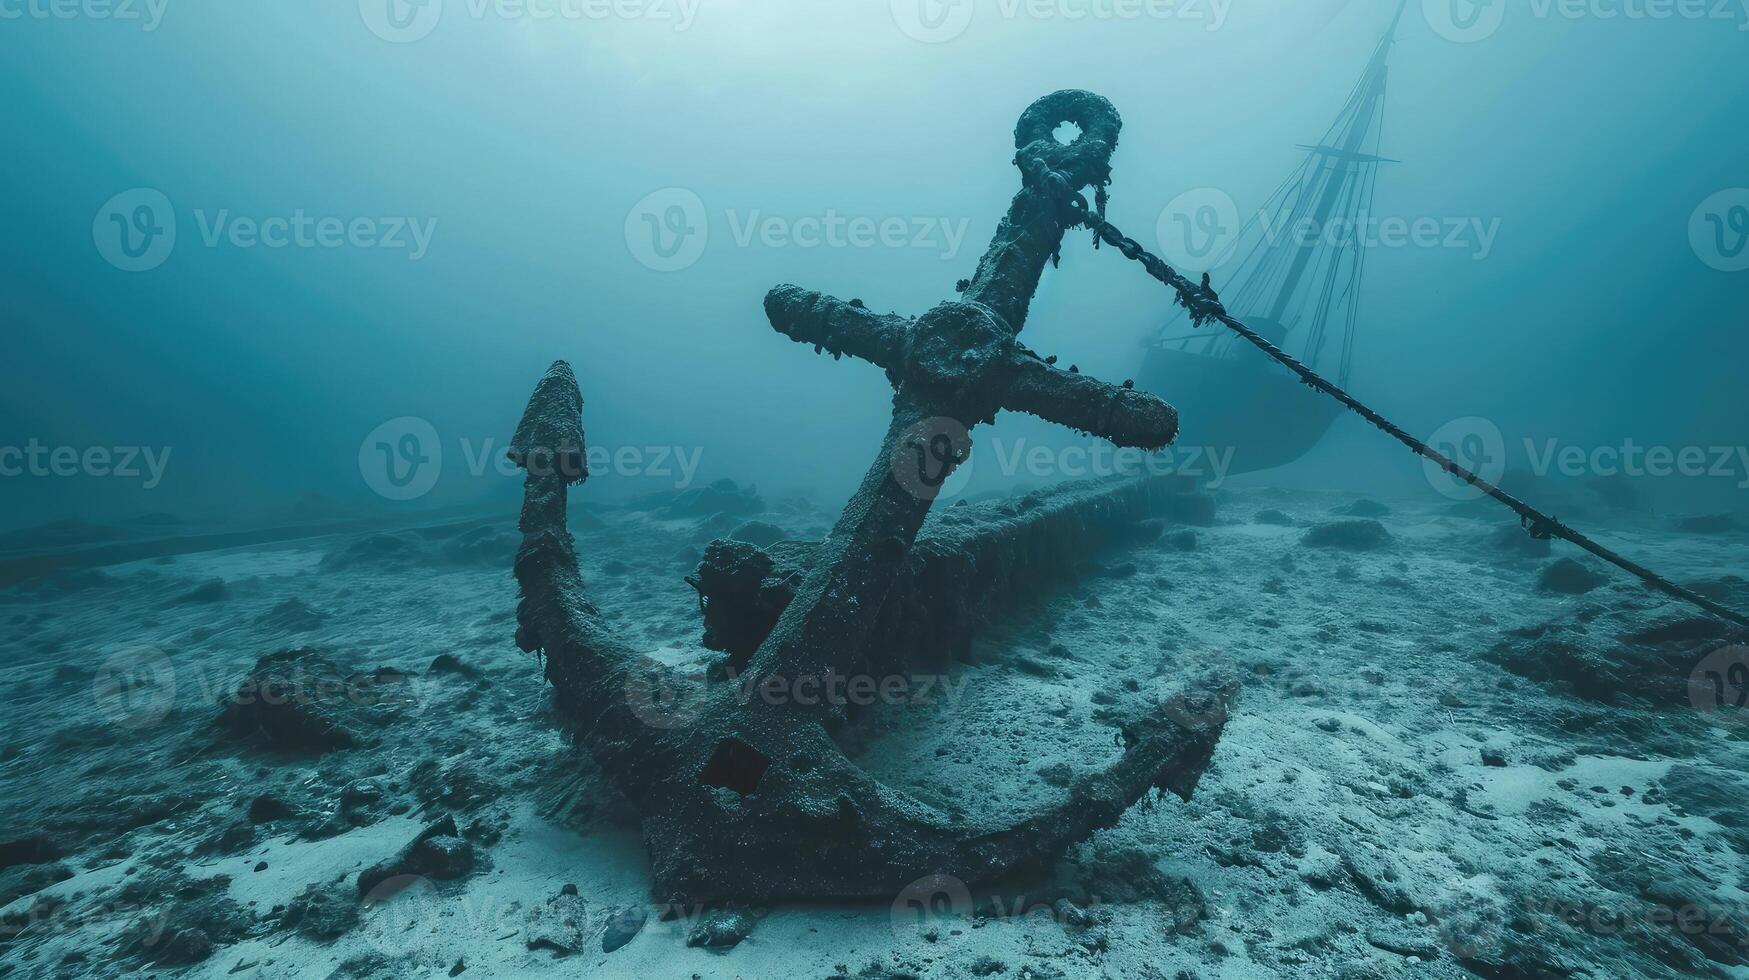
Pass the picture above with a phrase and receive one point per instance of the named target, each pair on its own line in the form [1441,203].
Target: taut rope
[1204,306]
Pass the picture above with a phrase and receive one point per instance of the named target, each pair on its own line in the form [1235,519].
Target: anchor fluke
[550,436]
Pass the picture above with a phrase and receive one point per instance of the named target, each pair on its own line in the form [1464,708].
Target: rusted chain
[1204,306]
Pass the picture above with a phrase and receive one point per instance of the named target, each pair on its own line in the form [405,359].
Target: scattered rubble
[439,852]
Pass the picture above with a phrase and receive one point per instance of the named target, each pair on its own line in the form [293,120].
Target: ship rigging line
[1204,305]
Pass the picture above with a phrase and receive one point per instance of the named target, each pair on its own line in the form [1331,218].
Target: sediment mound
[1357,535]
[291,615]
[300,702]
[1597,658]
[1570,577]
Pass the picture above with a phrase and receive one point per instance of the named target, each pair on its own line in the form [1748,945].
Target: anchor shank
[1032,231]
[953,369]
[1008,275]
[834,610]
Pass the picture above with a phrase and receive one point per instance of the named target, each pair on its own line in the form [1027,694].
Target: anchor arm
[549,439]
[1008,275]
[747,801]
[843,328]
[1123,415]
[847,835]
[587,664]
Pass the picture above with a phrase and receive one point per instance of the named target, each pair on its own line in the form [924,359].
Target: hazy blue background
[1592,140]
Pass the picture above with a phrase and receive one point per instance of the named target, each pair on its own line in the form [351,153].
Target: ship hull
[1248,405]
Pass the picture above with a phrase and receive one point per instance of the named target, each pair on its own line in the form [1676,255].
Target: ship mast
[1296,278]
[1335,161]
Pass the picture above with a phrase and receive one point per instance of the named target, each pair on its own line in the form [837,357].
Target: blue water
[486,187]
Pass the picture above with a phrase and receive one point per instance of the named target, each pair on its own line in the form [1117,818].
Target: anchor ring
[1088,159]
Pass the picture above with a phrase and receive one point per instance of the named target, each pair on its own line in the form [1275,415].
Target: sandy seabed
[1440,767]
